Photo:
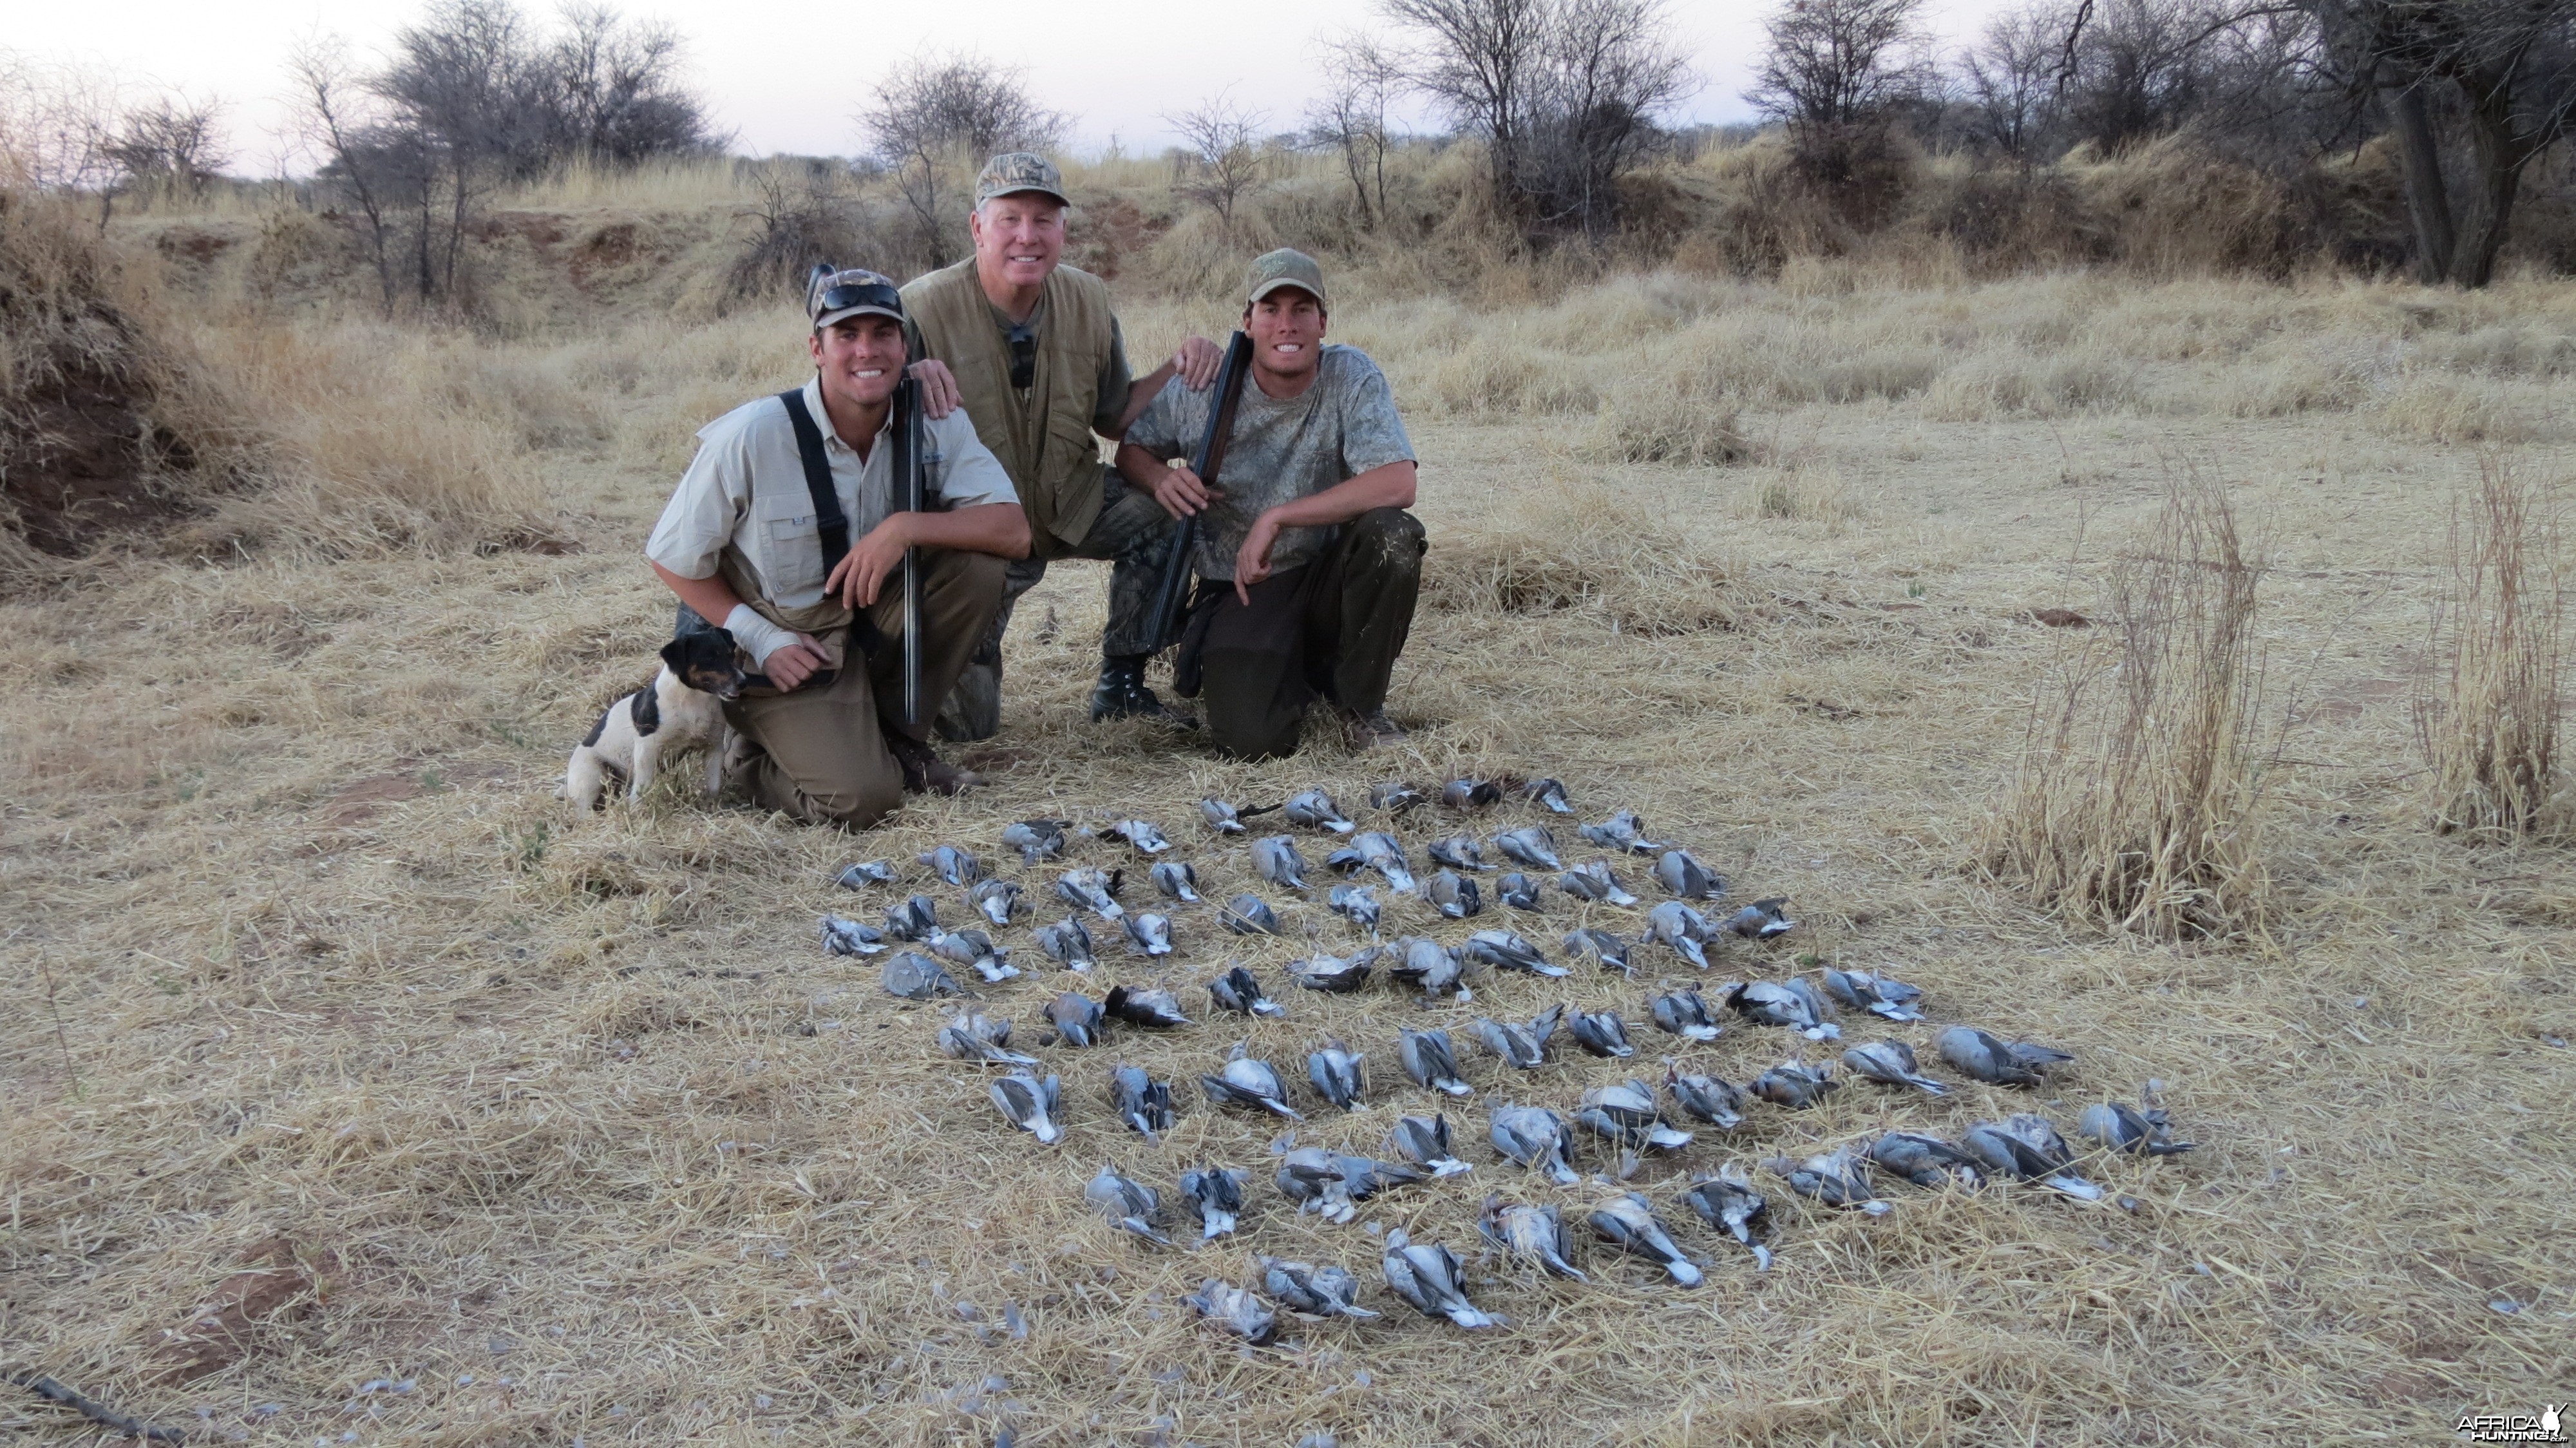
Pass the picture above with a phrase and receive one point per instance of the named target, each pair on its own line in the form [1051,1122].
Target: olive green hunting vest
[1046,447]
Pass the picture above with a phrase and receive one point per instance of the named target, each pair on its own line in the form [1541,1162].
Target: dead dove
[1629,1224]
[1880,995]
[1215,1195]
[1029,1104]
[1535,1137]
[917,977]
[1424,1141]
[1131,1206]
[1037,840]
[1326,1291]
[1774,1003]
[1626,1114]
[1623,833]
[1153,1009]
[1092,890]
[1277,858]
[1533,1234]
[1835,1179]
[1686,878]
[1431,1063]
[1594,882]
[1355,904]
[1796,1085]
[867,872]
[1601,948]
[1762,919]
[1712,1099]
[1238,992]
[1503,950]
[1601,1033]
[1470,793]
[1140,1101]
[2027,1148]
[1973,1053]
[1149,934]
[1076,1018]
[1548,794]
[1395,796]
[1428,1277]
[1330,972]
[1684,929]
[1333,1183]
[1459,852]
[973,948]
[1067,943]
[1531,845]
[1176,880]
[1248,915]
[1430,966]
[1926,1161]
[1379,851]
[956,866]
[1519,891]
[1454,896]
[1728,1202]
[2126,1128]
[1221,817]
[1521,1046]
[1246,1081]
[1685,1014]
[997,899]
[1234,1311]
[973,1036]
[1336,1074]
[1316,811]
[844,936]
[914,919]
[1142,834]
[1891,1063]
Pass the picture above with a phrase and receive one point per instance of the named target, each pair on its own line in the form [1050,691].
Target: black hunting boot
[1121,693]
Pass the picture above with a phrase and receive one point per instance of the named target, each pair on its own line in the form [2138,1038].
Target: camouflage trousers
[1132,534]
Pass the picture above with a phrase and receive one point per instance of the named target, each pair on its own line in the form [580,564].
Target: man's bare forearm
[1140,395]
[1001,529]
[1390,486]
[711,597]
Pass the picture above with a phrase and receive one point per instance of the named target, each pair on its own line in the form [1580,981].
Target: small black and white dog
[684,705]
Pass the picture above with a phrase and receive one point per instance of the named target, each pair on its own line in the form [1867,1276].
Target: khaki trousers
[822,754]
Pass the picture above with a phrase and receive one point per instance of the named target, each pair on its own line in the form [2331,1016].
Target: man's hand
[1197,363]
[861,573]
[940,395]
[1252,560]
[790,665]
[1182,494]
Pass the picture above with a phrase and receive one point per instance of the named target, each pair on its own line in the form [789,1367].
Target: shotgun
[909,498]
[1172,593]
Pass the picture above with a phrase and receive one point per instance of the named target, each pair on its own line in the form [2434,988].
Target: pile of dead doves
[1622,1120]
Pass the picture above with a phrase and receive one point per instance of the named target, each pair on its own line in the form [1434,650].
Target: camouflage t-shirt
[1281,450]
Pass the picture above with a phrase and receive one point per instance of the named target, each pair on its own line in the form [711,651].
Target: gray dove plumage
[1532,1233]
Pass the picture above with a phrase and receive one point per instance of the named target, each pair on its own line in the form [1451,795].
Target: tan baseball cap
[849,291]
[1286,267]
[1014,171]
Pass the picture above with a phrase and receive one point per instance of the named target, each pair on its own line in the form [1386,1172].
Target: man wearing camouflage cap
[784,531]
[1309,563]
[1033,352]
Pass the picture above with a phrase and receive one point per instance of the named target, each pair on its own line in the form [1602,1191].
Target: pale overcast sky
[789,77]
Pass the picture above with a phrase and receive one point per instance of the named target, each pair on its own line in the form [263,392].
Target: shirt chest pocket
[789,537]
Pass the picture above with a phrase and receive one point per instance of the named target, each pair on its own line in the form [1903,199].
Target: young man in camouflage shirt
[1308,562]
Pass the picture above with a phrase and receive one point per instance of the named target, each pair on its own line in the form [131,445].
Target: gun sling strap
[831,525]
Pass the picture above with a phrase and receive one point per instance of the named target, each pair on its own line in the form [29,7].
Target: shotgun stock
[1172,593]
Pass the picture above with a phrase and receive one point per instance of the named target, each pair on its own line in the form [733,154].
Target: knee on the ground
[1392,537]
[856,807]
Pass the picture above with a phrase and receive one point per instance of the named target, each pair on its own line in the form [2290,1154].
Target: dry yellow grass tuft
[2488,717]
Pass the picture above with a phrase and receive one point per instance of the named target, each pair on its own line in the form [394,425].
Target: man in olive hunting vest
[1030,348]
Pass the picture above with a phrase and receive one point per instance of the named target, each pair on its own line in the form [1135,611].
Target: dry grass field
[358,1091]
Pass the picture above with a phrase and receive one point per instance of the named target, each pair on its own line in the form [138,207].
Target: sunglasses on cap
[858,294]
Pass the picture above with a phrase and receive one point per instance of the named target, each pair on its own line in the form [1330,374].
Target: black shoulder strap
[830,522]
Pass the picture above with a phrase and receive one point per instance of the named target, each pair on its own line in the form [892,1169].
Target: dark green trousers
[1330,629]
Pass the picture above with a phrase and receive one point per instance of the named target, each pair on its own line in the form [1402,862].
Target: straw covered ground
[339,1054]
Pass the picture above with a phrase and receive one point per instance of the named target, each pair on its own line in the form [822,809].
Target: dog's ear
[675,655]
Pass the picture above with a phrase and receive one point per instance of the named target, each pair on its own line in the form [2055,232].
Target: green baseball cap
[1014,171]
[1286,267]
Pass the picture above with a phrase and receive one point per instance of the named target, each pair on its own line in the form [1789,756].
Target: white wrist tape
[758,636]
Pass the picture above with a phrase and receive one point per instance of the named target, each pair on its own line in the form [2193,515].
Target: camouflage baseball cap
[849,291]
[1286,267]
[1020,171]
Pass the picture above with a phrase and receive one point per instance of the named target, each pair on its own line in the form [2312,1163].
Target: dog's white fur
[681,716]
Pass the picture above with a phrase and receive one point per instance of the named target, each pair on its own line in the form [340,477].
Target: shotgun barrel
[1172,591]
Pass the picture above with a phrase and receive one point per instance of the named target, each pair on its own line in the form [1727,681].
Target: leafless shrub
[2138,806]
[1361,81]
[169,144]
[934,120]
[2487,711]
[803,213]
[1220,156]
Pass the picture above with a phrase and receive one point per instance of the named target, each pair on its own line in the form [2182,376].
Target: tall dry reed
[2487,709]
[2139,806]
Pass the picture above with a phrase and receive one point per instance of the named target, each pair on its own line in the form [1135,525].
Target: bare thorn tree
[1350,119]
[170,144]
[936,117]
[1220,152]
